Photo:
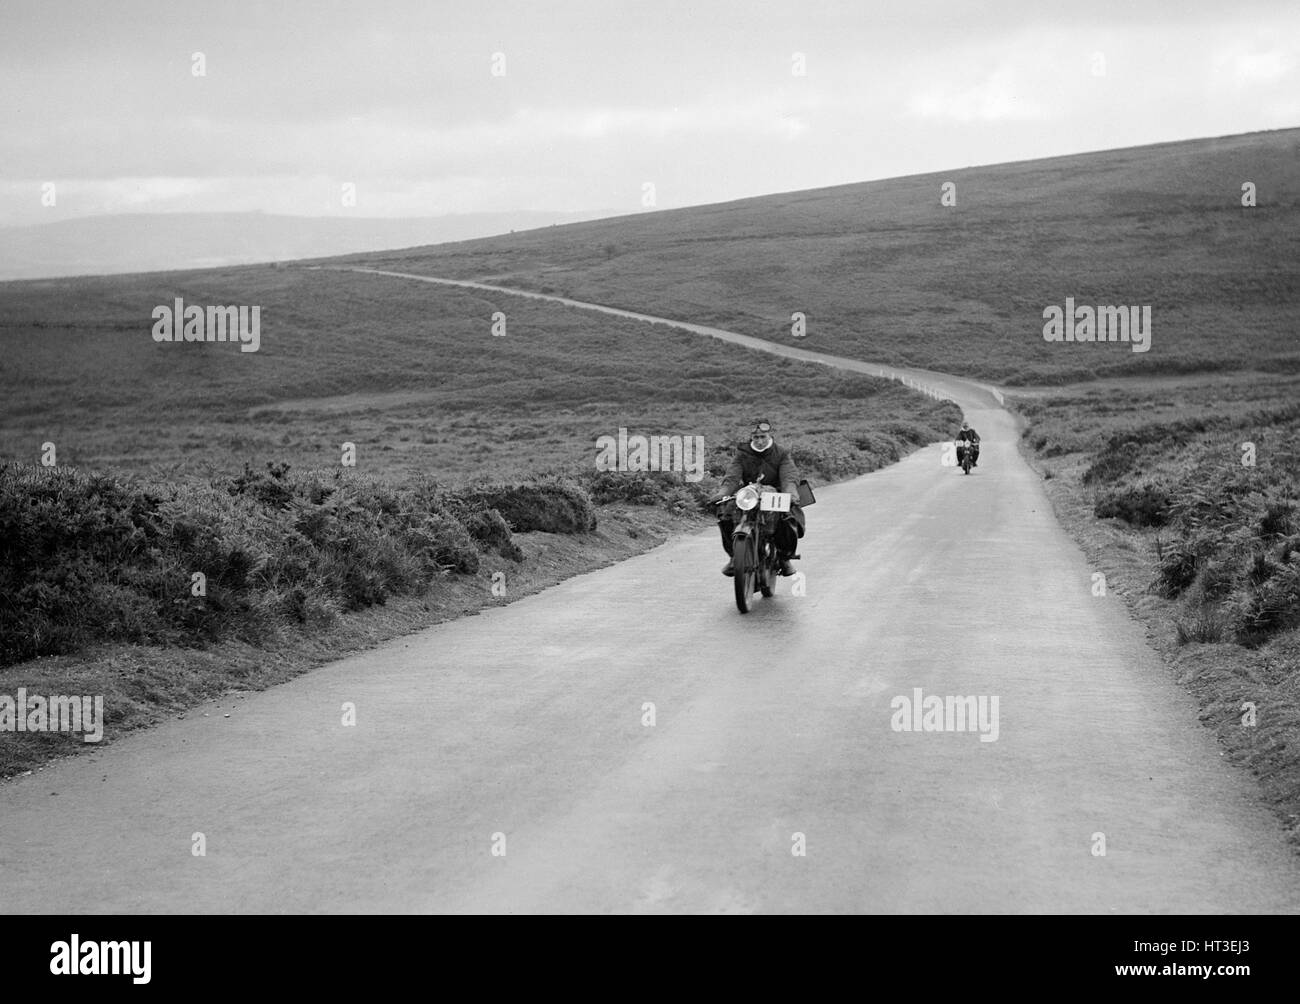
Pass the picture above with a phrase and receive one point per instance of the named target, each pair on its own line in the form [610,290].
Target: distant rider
[762,455]
[969,435]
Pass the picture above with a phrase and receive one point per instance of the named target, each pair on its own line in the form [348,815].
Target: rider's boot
[730,567]
[787,569]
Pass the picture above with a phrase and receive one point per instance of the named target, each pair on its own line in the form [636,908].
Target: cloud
[1243,66]
[397,96]
[398,143]
[999,96]
[776,115]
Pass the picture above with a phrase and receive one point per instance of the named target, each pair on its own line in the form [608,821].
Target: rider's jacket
[968,435]
[774,464]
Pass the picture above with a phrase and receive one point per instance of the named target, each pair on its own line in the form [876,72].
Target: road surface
[627,742]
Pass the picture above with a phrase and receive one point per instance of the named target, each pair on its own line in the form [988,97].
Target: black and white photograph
[685,458]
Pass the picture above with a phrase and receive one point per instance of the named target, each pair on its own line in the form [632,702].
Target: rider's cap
[763,425]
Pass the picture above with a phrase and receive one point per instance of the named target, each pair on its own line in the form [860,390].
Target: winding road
[627,742]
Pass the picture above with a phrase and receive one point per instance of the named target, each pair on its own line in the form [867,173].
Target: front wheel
[746,564]
[767,572]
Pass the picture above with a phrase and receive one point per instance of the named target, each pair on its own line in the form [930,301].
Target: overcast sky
[700,98]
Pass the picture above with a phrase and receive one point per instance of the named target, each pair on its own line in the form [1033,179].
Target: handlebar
[763,490]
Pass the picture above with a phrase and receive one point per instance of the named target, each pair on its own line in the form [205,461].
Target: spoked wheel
[965,463]
[747,570]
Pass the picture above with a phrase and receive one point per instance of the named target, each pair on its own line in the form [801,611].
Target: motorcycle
[965,455]
[753,542]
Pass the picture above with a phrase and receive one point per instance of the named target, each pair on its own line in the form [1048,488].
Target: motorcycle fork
[746,531]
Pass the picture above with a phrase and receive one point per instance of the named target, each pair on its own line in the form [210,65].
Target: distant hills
[147,242]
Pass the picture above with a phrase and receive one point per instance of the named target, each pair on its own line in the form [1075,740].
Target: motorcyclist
[762,455]
[971,437]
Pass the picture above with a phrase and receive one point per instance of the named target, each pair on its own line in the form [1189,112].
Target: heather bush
[491,532]
[550,507]
[1138,505]
[92,558]
[1234,555]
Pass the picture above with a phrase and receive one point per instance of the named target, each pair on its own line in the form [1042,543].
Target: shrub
[492,533]
[635,487]
[1234,542]
[638,488]
[89,558]
[1218,577]
[1113,461]
[555,507]
[1279,519]
[1269,600]
[877,445]
[272,489]
[1142,505]
[834,459]
[1180,560]
[445,541]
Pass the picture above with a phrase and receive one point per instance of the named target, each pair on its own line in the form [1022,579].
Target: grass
[407,372]
[885,273]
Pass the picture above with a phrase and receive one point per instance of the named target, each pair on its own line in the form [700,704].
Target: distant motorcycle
[753,542]
[965,455]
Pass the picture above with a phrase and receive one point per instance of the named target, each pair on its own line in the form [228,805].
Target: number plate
[774,502]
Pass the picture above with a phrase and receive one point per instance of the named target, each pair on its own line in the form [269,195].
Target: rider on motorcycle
[969,435]
[762,455]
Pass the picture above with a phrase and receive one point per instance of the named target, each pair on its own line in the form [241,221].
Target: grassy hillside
[884,272]
[410,373]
